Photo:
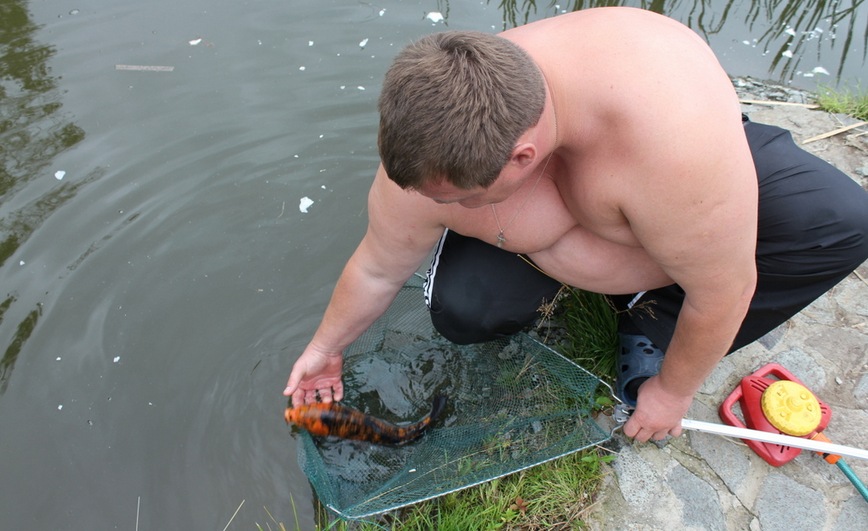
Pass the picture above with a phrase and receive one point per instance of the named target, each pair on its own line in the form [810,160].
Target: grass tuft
[845,101]
[590,327]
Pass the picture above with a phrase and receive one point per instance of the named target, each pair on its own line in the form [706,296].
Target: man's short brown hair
[452,106]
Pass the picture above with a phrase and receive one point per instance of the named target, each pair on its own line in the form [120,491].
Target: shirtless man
[606,147]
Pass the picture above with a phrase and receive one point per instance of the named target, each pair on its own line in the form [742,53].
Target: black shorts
[812,232]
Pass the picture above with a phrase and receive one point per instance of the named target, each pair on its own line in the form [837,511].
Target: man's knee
[477,292]
[464,321]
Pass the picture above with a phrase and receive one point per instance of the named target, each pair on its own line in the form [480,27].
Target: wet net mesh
[513,403]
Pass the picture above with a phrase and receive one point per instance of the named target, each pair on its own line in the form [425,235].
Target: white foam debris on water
[787,53]
[819,70]
[815,33]
[382,12]
[435,17]
[117,359]
[302,68]
[304,204]
[310,43]
[21,262]
[195,42]
[363,42]
[360,87]
[59,407]
[59,174]
[58,358]
[790,31]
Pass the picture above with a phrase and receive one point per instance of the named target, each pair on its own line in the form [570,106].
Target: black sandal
[638,360]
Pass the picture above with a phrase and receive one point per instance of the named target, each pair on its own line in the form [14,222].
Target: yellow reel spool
[791,408]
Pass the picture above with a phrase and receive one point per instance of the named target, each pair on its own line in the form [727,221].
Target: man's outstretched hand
[316,377]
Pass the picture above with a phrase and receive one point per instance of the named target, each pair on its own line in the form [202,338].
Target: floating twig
[145,68]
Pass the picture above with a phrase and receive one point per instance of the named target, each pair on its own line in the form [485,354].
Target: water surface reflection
[33,130]
[795,40]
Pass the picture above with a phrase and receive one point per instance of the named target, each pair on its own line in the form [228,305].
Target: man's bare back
[623,154]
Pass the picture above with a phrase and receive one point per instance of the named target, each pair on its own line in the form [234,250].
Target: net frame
[484,423]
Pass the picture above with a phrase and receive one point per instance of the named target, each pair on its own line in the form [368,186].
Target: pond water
[181,185]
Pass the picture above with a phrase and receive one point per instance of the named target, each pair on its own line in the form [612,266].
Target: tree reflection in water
[792,30]
[33,131]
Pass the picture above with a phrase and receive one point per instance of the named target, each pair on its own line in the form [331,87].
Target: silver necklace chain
[501,239]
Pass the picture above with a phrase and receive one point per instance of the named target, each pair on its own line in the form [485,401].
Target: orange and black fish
[337,420]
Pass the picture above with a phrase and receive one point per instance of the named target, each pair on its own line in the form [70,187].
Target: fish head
[301,414]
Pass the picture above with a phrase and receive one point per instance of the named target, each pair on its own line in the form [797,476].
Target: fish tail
[438,407]
[414,431]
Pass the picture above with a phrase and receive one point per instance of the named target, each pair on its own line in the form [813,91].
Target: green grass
[846,101]
[554,495]
[591,332]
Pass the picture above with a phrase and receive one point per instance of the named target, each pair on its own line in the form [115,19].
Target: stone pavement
[703,481]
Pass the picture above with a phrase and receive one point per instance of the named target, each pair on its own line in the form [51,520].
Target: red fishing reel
[781,404]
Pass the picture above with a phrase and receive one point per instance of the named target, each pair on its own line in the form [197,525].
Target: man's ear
[523,154]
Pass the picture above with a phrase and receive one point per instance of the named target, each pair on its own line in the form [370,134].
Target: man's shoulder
[599,21]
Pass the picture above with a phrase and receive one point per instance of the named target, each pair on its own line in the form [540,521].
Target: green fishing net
[513,403]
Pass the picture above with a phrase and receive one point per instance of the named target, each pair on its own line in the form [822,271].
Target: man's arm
[696,215]
[402,230]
